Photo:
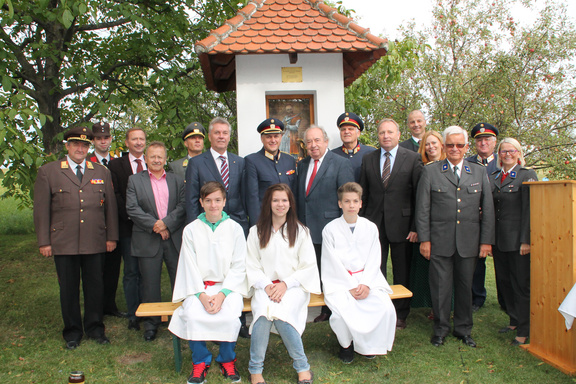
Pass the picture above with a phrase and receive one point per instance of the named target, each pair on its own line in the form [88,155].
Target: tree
[479,64]
[65,62]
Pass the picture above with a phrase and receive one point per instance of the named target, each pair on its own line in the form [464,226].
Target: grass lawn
[32,349]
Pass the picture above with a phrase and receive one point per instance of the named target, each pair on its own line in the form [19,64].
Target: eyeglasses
[508,152]
[455,145]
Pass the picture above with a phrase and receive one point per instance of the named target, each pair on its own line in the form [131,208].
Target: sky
[384,16]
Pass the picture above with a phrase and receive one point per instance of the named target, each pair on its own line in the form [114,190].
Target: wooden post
[553,271]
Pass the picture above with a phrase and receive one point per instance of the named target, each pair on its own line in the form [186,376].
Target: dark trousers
[151,272]
[318,251]
[513,276]
[478,283]
[447,273]
[401,254]
[70,269]
[111,275]
[131,279]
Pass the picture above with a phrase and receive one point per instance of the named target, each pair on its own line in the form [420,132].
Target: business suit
[392,209]
[76,218]
[121,170]
[479,282]
[321,205]
[262,171]
[147,245]
[512,208]
[410,144]
[355,157]
[448,216]
[178,167]
[201,169]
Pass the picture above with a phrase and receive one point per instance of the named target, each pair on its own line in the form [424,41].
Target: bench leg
[177,353]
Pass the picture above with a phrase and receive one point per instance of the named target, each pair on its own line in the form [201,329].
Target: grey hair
[455,130]
[219,120]
[388,121]
[324,134]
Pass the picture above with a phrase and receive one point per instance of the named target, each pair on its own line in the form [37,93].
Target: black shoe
[150,334]
[244,332]
[475,308]
[506,330]
[230,372]
[102,339]
[117,313]
[73,344]
[307,381]
[467,340]
[400,324]
[437,341]
[347,354]
[134,324]
[369,357]
[321,317]
[198,374]
[517,342]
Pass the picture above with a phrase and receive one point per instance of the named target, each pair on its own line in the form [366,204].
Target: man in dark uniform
[351,127]
[76,222]
[112,260]
[193,137]
[485,138]
[417,124]
[268,166]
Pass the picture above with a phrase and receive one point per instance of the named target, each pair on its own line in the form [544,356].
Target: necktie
[312,176]
[456,173]
[386,170]
[139,167]
[224,171]
[105,162]
[79,172]
[504,176]
[484,161]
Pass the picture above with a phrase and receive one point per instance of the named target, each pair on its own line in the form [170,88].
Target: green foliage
[15,220]
[482,65]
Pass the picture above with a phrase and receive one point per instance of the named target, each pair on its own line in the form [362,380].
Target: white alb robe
[206,255]
[349,259]
[295,266]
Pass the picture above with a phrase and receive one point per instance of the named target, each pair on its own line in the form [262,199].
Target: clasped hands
[360,292]
[212,304]
[161,228]
[276,291]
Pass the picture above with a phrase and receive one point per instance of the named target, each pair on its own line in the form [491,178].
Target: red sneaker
[230,372]
[198,374]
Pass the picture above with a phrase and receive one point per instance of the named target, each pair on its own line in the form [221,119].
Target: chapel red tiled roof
[286,26]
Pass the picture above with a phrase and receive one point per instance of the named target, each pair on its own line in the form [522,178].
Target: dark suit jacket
[396,203]
[448,211]
[201,169]
[355,158]
[321,205]
[490,167]
[75,218]
[121,171]
[141,208]
[262,172]
[512,207]
[410,144]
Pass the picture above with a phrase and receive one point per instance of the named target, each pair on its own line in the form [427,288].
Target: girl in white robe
[283,273]
[364,323]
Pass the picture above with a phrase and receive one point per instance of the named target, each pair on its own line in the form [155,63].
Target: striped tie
[224,171]
[386,170]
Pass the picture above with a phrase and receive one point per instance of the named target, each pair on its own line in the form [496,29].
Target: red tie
[312,177]
[504,176]
[139,167]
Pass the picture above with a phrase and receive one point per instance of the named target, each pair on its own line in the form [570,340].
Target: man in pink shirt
[155,202]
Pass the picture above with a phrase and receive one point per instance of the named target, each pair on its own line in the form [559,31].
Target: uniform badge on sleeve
[290,172]
[97,181]
[64,165]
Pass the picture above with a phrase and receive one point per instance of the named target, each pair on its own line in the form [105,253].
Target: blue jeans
[201,354]
[259,344]
[131,279]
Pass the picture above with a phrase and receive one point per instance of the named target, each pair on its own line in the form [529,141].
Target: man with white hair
[451,194]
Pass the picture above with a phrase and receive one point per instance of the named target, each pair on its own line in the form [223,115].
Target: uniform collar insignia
[185,163]
[513,174]
[351,151]
[64,164]
[268,155]
[89,165]
[445,167]
[467,169]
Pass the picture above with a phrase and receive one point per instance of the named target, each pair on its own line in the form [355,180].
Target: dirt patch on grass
[134,358]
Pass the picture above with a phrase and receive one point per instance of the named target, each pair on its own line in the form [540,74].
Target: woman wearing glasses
[512,250]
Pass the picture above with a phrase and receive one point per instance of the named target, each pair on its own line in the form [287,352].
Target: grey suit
[178,167]
[448,215]
[147,245]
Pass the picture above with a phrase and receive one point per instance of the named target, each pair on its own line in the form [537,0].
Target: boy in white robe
[363,316]
[211,280]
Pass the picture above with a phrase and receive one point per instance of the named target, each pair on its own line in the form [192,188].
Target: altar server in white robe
[211,280]
[363,316]
[281,267]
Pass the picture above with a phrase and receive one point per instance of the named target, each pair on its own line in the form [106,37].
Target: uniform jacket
[410,144]
[396,202]
[200,170]
[355,158]
[121,170]
[141,208]
[512,207]
[75,218]
[178,167]
[490,167]
[321,205]
[262,171]
[448,211]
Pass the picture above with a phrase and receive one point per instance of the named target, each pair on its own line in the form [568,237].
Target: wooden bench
[166,309]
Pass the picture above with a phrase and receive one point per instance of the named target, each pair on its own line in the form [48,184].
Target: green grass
[12,220]
[32,349]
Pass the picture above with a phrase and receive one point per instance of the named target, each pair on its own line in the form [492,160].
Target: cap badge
[272,126]
[83,137]
[482,129]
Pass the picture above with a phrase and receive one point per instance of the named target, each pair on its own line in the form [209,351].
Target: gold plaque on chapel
[291,74]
